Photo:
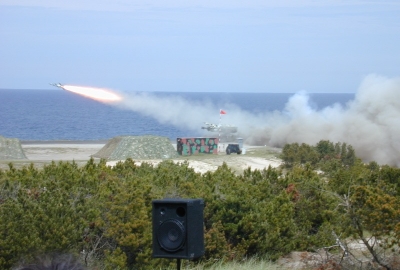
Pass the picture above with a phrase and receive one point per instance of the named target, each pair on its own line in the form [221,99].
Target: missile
[57,85]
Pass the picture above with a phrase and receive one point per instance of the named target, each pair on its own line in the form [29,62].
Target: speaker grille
[178,230]
[171,235]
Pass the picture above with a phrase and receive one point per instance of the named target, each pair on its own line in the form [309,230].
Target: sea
[52,115]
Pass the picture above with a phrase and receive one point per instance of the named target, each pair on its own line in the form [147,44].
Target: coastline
[41,153]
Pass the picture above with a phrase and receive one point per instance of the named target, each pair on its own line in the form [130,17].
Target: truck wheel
[228,151]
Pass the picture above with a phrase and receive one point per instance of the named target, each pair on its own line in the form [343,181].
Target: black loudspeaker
[178,228]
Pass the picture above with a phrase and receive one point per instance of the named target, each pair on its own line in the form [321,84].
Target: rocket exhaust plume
[370,122]
[98,94]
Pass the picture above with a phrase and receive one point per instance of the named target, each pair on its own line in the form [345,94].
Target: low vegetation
[323,199]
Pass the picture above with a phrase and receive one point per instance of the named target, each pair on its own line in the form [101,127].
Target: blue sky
[219,46]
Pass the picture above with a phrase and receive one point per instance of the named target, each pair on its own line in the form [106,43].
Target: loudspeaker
[178,228]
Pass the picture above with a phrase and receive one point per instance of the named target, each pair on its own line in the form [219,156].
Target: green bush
[104,213]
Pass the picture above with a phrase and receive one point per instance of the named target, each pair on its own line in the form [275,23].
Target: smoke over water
[370,122]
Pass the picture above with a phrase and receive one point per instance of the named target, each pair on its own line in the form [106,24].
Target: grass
[250,264]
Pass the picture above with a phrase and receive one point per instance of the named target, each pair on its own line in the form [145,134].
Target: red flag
[222,112]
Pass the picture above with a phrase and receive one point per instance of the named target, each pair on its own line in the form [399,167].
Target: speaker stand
[178,264]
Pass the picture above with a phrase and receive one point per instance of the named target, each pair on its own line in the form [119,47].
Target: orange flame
[94,93]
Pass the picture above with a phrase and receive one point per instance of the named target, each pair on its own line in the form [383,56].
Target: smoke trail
[370,123]
[173,110]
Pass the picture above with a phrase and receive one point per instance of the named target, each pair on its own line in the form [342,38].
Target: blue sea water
[60,115]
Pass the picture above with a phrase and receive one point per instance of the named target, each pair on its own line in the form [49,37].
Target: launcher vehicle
[220,128]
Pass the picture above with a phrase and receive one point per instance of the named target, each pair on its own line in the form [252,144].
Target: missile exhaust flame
[94,93]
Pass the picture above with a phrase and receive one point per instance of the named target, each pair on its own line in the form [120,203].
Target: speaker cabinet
[178,228]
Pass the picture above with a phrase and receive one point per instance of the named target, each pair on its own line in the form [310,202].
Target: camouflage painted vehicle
[196,145]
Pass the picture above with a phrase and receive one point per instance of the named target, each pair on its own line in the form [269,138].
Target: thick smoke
[370,123]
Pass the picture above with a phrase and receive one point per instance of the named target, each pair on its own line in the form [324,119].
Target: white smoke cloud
[370,123]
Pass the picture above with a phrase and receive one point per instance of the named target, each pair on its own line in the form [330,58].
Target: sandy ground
[60,151]
[80,152]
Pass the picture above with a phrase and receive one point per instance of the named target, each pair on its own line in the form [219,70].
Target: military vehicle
[226,133]
[233,148]
[220,128]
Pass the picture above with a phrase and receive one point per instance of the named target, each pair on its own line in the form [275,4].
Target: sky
[218,46]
